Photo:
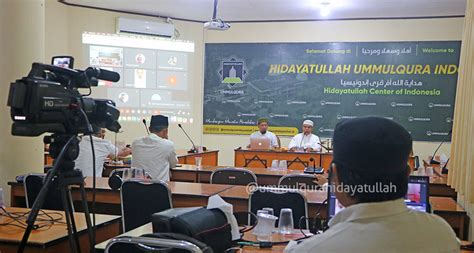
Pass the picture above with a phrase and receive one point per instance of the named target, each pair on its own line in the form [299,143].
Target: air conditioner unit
[143,27]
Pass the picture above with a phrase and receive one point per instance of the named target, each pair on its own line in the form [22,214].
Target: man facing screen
[155,153]
[262,124]
[372,151]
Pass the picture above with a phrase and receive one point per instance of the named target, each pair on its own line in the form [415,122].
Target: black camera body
[48,100]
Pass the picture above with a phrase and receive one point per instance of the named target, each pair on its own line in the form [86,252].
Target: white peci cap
[308,122]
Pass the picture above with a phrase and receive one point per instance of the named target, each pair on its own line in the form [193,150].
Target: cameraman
[103,149]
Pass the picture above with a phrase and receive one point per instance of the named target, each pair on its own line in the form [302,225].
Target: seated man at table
[103,149]
[370,179]
[263,132]
[305,141]
[155,153]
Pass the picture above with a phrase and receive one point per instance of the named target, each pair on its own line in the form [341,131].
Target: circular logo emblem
[410,119]
[357,103]
[393,104]
[323,102]
[428,133]
[430,105]
[339,116]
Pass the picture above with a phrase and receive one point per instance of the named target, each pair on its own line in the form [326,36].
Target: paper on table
[215,201]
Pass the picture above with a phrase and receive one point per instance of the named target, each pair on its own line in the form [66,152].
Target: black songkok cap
[159,121]
[371,145]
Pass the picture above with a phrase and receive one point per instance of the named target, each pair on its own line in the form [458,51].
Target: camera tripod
[64,148]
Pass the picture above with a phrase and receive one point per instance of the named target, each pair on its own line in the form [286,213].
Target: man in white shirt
[155,153]
[103,149]
[263,132]
[305,141]
[373,151]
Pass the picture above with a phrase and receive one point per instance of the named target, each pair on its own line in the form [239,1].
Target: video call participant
[103,149]
[263,132]
[155,153]
[306,140]
[370,151]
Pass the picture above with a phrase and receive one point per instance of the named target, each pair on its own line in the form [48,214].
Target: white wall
[332,31]
[22,42]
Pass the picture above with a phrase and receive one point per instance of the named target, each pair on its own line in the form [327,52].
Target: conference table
[248,236]
[54,237]
[296,160]
[184,194]
[189,194]
[209,158]
[271,176]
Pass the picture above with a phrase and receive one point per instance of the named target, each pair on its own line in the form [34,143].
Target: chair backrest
[297,181]
[140,199]
[278,141]
[233,176]
[146,244]
[33,183]
[278,199]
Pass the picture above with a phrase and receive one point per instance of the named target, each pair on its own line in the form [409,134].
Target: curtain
[461,164]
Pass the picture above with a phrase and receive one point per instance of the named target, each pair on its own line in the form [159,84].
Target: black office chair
[297,181]
[115,178]
[233,176]
[128,244]
[277,199]
[141,199]
[33,183]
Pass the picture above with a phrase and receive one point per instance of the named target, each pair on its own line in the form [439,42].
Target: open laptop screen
[260,143]
[417,197]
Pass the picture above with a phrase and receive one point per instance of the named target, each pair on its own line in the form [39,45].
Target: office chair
[33,183]
[140,199]
[277,199]
[297,181]
[279,142]
[146,244]
[233,176]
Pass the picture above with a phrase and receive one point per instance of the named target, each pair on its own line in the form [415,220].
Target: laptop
[260,143]
[417,197]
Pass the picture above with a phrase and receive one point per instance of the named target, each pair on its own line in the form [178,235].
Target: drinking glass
[285,223]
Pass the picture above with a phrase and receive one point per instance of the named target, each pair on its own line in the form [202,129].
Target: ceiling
[281,10]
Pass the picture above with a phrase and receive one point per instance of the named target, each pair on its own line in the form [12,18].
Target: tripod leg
[35,210]
[73,222]
[90,229]
[68,213]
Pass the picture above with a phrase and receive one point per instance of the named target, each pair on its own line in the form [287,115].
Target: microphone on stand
[146,128]
[194,150]
[433,161]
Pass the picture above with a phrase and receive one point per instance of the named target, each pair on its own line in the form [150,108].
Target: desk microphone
[433,161]
[146,128]
[326,148]
[314,162]
[194,150]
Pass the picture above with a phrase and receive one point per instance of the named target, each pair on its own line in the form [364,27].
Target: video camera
[48,100]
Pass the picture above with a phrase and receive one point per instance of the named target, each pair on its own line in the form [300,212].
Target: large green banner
[413,83]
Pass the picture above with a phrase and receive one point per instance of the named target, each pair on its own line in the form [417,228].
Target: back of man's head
[158,123]
[372,153]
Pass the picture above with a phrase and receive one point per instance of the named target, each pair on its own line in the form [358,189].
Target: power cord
[18,219]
